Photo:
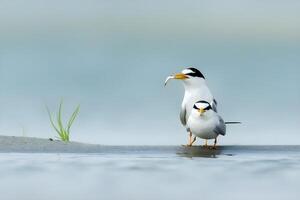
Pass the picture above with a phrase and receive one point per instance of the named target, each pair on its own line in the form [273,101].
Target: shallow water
[233,172]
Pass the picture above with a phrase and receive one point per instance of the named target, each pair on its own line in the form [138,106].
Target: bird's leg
[194,140]
[191,141]
[215,144]
[205,145]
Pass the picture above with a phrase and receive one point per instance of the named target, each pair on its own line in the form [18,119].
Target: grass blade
[73,117]
[59,121]
[64,134]
[51,120]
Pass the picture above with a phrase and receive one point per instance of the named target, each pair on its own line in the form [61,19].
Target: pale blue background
[112,57]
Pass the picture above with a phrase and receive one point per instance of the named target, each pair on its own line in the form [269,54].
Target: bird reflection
[199,151]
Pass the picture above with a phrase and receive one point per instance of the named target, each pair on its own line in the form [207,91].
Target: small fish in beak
[179,76]
[168,78]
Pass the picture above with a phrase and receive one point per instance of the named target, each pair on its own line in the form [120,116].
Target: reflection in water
[198,151]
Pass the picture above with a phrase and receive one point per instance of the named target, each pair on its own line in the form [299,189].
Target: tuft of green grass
[63,131]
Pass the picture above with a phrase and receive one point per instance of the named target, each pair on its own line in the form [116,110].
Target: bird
[206,123]
[196,89]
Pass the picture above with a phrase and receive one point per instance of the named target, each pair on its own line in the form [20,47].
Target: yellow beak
[201,111]
[180,76]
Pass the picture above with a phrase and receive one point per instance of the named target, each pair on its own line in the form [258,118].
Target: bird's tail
[233,122]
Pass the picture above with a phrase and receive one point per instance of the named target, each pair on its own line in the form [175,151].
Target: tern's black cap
[195,73]
[204,102]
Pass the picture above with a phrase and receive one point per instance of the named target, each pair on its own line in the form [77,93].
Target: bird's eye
[208,108]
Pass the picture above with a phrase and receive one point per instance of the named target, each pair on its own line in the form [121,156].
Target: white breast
[203,126]
[191,96]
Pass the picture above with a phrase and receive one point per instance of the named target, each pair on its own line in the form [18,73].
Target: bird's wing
[221,127]
[214,105]
[183,115]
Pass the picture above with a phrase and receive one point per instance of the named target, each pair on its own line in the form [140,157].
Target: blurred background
[112,58]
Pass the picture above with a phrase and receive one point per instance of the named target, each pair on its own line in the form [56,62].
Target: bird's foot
[209,147]
[187,145]
[212,147]
[205,144]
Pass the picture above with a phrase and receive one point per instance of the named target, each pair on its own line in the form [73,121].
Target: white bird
[205,123]
[195,89]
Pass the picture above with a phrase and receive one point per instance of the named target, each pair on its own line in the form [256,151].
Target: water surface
[232,172]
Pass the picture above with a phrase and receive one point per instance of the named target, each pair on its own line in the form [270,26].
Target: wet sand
[12,144]
[39,145]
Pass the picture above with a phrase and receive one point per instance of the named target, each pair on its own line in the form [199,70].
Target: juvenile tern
[195,89]
[205,123]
